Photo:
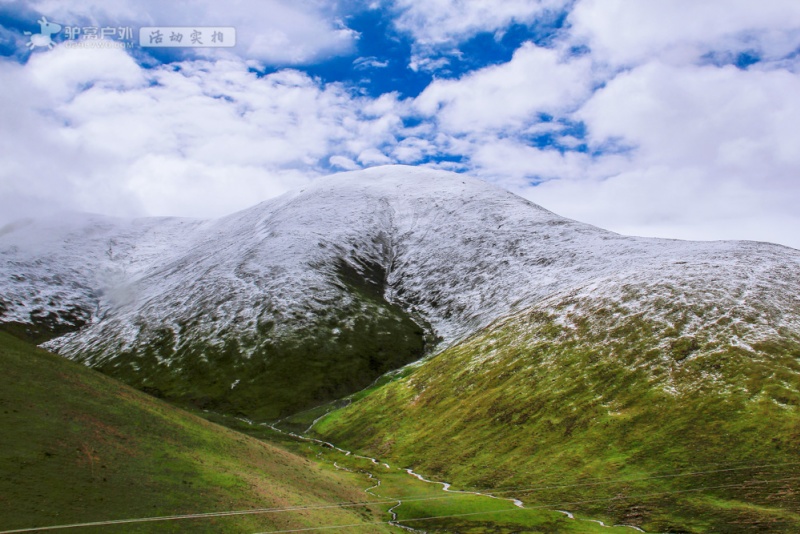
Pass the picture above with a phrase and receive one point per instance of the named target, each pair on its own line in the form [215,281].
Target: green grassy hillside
[677,416]
[424,506]
[78,447]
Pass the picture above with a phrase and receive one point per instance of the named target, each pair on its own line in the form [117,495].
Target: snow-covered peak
[455,251]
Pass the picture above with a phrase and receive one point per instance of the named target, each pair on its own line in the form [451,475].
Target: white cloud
[438,27]
[344,163]
[726,117]
[92,130]
[371,62]
[518,161]
[437,22]
[680,31]
[276,32]
[422,63]
[714,155]
[660,202]
[536,80]
[373,156]
[413,149]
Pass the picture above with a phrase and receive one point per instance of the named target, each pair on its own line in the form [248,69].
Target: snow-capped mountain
[389,244]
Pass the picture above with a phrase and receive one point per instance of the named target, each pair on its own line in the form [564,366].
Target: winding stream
[445,485]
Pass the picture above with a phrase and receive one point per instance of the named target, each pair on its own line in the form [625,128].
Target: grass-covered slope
[664,406]
[78,447]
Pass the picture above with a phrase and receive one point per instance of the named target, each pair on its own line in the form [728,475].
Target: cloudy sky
[676,118]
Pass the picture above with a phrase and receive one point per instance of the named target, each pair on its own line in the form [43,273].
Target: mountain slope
[311,296]
[79,447]
[667,404]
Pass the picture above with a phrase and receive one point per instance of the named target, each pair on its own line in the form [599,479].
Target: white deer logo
[43,38]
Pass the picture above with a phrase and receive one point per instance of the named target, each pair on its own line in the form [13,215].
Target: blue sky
[676,120]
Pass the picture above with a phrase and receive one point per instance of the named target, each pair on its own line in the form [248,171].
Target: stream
[445,485]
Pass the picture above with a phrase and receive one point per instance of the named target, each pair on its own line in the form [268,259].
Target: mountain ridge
[429,257]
